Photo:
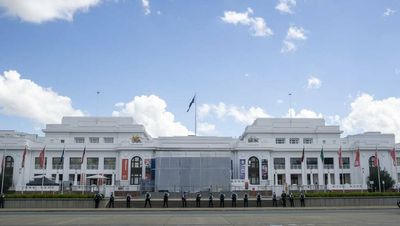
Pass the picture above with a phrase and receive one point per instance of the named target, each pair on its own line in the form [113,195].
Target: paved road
[266,216]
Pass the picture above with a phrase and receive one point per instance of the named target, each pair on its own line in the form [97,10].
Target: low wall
[49,203]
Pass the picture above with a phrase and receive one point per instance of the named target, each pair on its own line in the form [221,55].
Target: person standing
[128,201]
[302,199]
[97,199]
[291,199]
[166,195]
[222,200]
[148,198]
[233,196]
[258,199]
[198,199]
[111,202]
[2,200]
[184,203]
[246,200]
[283,198]
[210,200]
[274,201]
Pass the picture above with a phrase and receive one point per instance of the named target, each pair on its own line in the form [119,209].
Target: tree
[385,176]
[7,182]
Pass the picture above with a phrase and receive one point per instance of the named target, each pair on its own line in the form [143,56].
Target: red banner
[124,175]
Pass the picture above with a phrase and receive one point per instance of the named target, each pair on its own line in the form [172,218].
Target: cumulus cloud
[389,12]
[146,7]
[257,25]
[205,128]
[313,83]
[239,114]
[303,113]
[24,98]
[151,112]
[369,114]
[294,34]
[38,11]
[285,6]
[288,46]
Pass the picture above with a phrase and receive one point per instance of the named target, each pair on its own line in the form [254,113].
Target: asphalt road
[265,216]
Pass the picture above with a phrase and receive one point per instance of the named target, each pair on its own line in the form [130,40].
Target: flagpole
[195,114]
[3,164]
[23,169]
[44,166]
[378,168]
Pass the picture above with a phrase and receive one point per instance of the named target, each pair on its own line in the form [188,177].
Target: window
[328,163]
[37,163]
[398,161]
[252,140]
[345,178]
[279,163]
[94,140]
[79,140]
[295,163]
[254,170]
[108,179]
[108,140]
[62,141]
[57,164]
[136,170]
[109,163]
[293,140]
[312,163]
[92,163]
[346,163]
[279,140]
[75,163]
[307,140]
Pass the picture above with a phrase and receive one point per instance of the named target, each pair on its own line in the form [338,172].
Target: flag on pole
[357,159]
[62,156]
[393,155]
[302,155]
[376,160]
[2,164]
[340,157]
[322,154]
[42,158]
[23,158]
[83,155]
[191,103]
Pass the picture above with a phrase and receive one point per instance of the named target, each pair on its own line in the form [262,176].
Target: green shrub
[50,196]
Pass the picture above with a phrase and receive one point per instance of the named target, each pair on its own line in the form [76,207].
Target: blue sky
[345,67]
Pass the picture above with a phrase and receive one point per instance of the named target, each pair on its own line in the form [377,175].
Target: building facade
[272,154]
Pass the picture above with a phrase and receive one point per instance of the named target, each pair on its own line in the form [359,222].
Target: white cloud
[279,101]
[146,6]
[296,33]
[205,128]
[38,11]
[151,112]
[389,12]
[288,47]
[303,113]
[257,25]
[285,6]
[368,114]
[313,83]
[24,98]
[239,114]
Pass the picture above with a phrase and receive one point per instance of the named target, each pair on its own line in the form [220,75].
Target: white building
[267,156]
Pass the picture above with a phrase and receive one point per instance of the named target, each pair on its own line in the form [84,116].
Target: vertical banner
[264,169]
[124,174]
[147,165]
[242,164]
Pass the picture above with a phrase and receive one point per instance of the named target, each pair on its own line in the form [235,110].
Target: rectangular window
[398,161]
[109,163]
[92,163]
[62,141]
[328,163]
[79,140]
[345,178]
[346,163]
[57,164]
[75,163]
[108,179]
[108,140]
[312,163]
[71,178]
[294,140]
[295,163]
[37,163]
[94,140]
[279,140]
[307,140]
[279,163]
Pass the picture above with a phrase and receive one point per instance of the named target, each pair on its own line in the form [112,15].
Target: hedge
[50,196]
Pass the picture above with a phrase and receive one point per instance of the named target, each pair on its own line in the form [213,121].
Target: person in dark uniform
[274,201]
[233,197]
[291,199]
[148,198]
[111,202]
[97,199]
[2,200]
[184,203]
[210,200]
[246,200]
[222,200]
[198,199]
[283,198]
[302,199]
[128,201]
[258,199]
[166,195]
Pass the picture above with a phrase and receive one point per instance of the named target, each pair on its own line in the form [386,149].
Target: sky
[339,60]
